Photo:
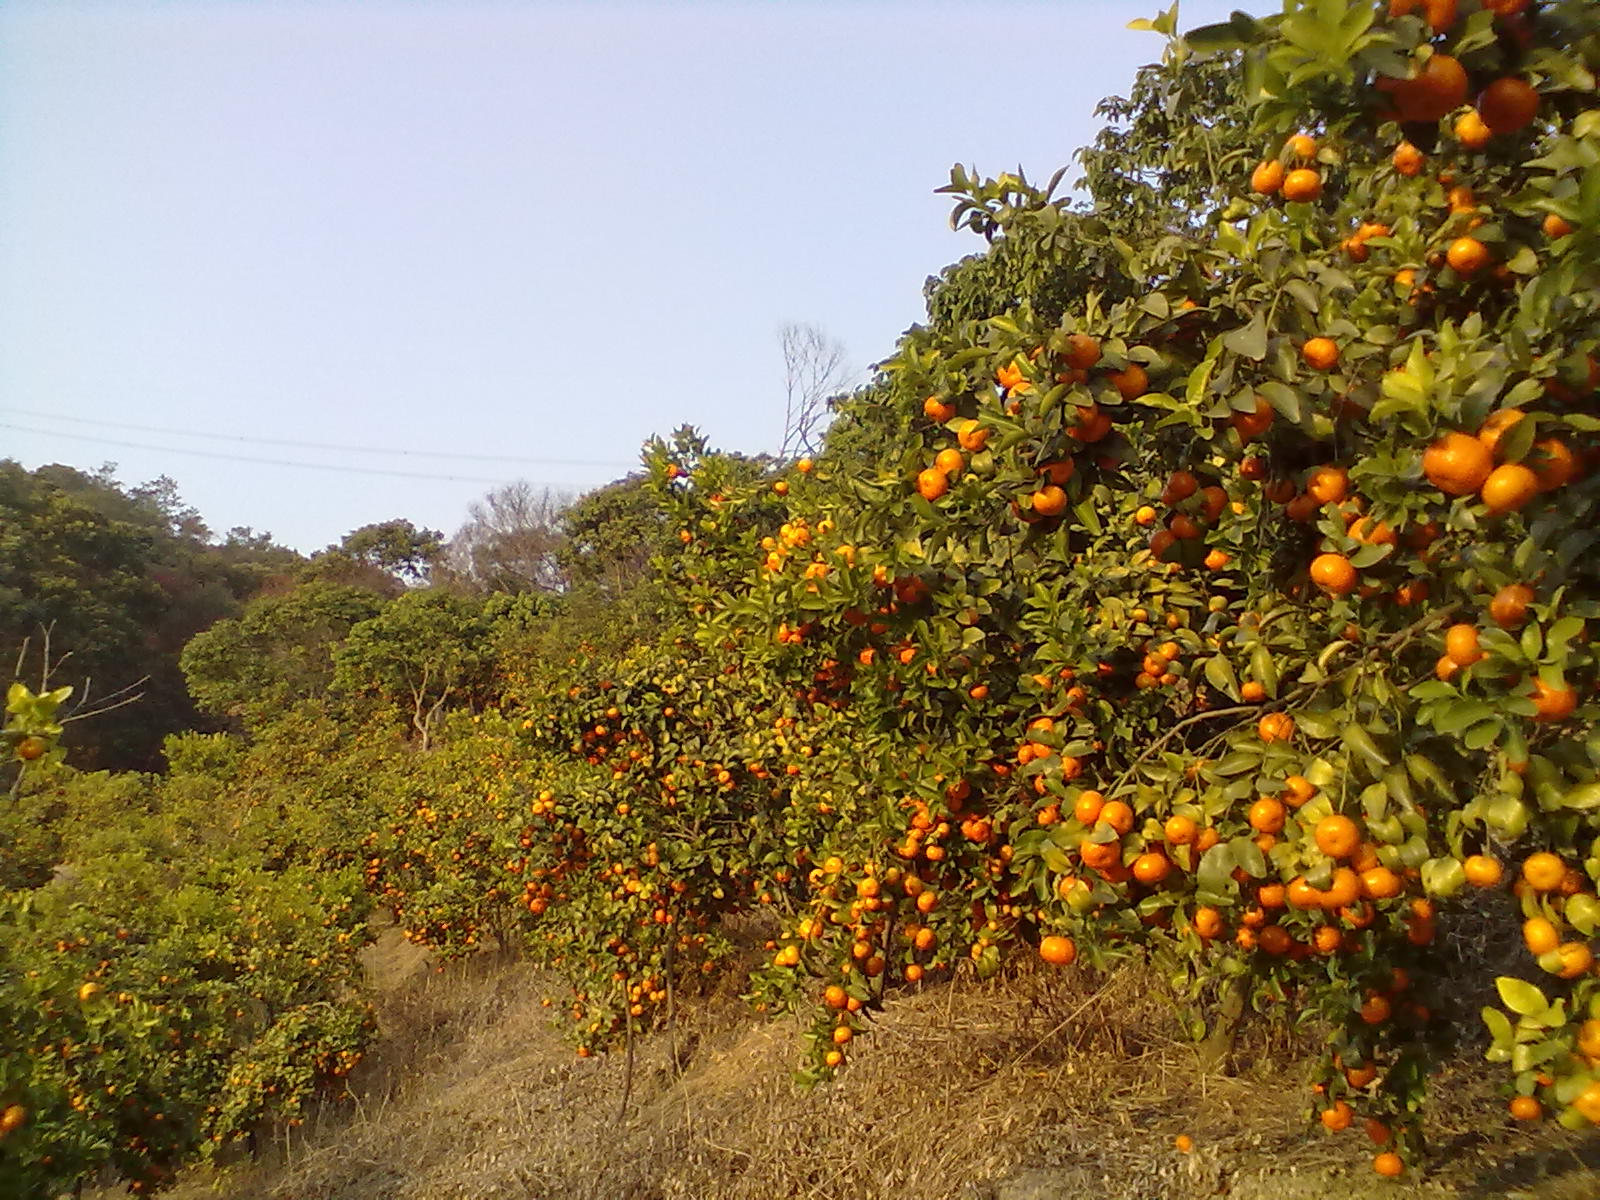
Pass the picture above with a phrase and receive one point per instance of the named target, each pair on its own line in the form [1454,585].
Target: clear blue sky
[516,229]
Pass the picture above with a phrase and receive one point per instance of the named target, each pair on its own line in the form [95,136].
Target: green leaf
[1583,798]
[1283,398]
[1220,675]
[1359,740]
[1443,876]
[1305,295]
[1249,341]
[1213,39]
[1520,996]
[1499,1026]
[1248,855]
[1264,669]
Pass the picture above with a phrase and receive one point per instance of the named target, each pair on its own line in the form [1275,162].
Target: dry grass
[1040,1085]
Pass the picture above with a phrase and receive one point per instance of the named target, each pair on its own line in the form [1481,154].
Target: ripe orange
[1461,644]
[1457,464]
[1082,351]
[1587,1102]
[1091,424]
[1508,104]
[1497,426]
[1407,160]
[932,483]
[1049,501]
[1252,692]
[1508,488]
[972,436]
[1256,422]
[1183,1143]
[1303,146]
[1060,951]
[1058,472]
[1320,353]
[1359,1077]
[1539,935]
[1207,922]
[1526,1108]
[1118,815]
[1179,830]
[1553,464]
[1552,703]
[1556,226]
[1131,382]
[1467,255]
[1334,574]
[1437,89]
[1440,14]
[1302,185]
[1184,527]
[1328,485]
[1380,883]
[1275,939]
[1576,959]
[1483,870]
[1086,808]
[1275,727]
[1151,867]
[1374,533]
[1267,178]
[950,461]
[1297,789]
[937,410]
[1267,815]
[1180,486]
[1388,1164]
[1471,131]
[1543,871]
[1338,1117]
[1509,608]
[1337,836]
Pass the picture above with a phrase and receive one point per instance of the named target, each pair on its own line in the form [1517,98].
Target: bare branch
[511,538]
[813,371]
[111,702]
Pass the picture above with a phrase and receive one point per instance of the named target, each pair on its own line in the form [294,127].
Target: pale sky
[536,231]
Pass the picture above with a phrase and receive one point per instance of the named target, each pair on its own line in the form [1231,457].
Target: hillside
[1025,1087]
[1164,707]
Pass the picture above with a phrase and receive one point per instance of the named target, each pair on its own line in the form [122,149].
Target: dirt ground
[1046,1085]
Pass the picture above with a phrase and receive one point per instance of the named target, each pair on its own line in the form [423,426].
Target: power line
[264,441]
[271,462]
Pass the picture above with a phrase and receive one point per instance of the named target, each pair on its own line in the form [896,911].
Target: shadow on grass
[1577,1164]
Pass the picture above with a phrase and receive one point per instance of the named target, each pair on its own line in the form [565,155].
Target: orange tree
[177,963]
[1237,613]
[1205,582]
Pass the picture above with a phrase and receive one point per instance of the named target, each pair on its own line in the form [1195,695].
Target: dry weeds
[1039,1085]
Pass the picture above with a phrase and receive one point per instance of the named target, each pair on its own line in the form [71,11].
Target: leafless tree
[813,372]
[510,540]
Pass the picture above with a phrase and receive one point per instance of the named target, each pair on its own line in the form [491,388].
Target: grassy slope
[1047,1085]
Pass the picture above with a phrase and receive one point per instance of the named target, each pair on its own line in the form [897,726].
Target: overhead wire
[342,468]
[304,445]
